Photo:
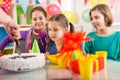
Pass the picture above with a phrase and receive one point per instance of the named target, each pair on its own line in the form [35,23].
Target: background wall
[80,8]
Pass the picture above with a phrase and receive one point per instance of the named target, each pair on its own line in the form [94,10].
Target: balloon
[95,2]
[85,15]
[53,9]
[70,15]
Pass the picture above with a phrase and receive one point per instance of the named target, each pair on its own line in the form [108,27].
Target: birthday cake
[23,62]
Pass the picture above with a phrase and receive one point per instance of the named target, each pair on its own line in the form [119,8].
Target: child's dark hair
[60,18]
[38,8]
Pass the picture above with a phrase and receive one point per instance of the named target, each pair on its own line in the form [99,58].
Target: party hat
[35,48]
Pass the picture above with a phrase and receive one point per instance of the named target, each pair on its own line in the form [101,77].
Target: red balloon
[53,9]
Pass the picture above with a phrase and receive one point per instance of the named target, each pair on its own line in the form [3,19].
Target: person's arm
[87,47]
[23,35]
[10,26]
[4,42]
[3,16]
[8,40]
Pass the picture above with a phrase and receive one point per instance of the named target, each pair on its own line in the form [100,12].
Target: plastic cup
[102,54]
[86,69]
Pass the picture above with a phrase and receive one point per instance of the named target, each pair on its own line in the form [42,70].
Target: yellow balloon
[95,2]
[70,15]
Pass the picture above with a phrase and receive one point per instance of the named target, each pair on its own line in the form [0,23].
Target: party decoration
[1,0]
[112,3]
[95,2]
[53,9]
[74,39]
[35,48]
[85,2]
[70,15]
[43,3]
[37,1]
[72,57]
[6,5]
[85,15]
[24,5]
[59,1]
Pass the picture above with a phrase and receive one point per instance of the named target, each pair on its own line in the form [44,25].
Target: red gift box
[97,65]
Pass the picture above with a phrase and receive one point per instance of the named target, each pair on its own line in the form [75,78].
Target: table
[112,72]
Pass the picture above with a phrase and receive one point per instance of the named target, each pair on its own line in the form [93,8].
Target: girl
[39,19]
[58,25]
[104,38]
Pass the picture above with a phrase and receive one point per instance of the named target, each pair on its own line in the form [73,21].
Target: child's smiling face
[39,20]
[97,19]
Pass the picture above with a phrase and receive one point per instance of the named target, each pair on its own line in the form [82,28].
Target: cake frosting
[22,62]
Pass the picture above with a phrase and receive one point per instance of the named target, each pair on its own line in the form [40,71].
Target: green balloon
[85,15]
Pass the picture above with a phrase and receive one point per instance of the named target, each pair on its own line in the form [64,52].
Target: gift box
[97,65]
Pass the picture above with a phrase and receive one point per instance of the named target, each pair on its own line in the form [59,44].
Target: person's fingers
[16,36]
[8,29]
[13,31]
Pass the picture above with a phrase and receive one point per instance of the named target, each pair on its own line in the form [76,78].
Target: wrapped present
[99,63]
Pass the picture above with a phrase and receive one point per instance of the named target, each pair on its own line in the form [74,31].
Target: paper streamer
[24,5]
[43,3]
[6,5]
[95,2]
[112,3]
